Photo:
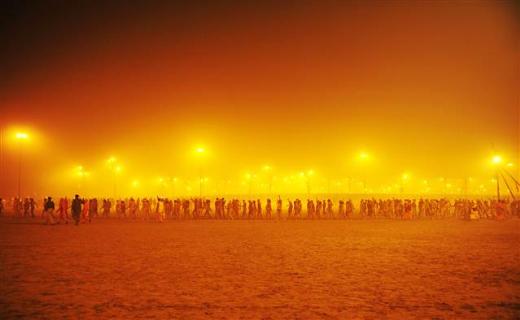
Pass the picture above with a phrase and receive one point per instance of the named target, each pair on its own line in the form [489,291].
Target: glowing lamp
[496,159]
[22,135]
[363,156]
[111,160]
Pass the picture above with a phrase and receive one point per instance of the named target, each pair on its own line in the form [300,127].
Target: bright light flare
[363,156]
[496,159]
[111,160]
[21,135]
[80,172]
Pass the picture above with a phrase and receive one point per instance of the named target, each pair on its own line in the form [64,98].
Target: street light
[199,152]
[268,170]
[404,178]
[496,160]
[116,169]
[249,178]
[82,174]
[20,137]
[363,158]
[309,174]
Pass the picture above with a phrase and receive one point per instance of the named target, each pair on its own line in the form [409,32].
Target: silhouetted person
[48,209]
[32,207]
[75,209]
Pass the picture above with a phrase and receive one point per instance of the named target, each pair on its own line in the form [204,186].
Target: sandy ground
[261,269]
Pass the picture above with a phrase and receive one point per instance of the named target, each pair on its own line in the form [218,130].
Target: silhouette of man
[76,209]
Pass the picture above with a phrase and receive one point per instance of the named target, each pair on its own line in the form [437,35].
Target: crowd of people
[161,209]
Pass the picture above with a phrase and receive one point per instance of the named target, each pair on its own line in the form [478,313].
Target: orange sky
[427,88]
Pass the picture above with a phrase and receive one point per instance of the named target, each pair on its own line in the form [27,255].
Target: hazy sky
[422,86]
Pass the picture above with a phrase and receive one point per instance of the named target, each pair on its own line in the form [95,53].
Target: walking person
[75,209]
[48,210]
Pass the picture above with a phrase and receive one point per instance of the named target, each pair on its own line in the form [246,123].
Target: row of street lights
[363,157]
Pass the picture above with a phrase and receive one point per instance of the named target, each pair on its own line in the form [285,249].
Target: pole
[200,182]
[498,186]
[19,171]
[114,182]
[2,179]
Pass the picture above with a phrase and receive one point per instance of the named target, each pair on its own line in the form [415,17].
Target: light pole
[497,160]
[174,187]
[404,178]
[115,169]
[200,151]
[309,174]
[249,178]
[1,157]
[268,171]
[20,137]
[364,158]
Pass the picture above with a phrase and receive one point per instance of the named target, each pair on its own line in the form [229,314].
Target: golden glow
[363,156]
[81,172]
[496,159]
[111,160]
[359,115]
[22,135]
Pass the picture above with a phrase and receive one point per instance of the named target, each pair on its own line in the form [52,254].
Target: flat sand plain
[369,269]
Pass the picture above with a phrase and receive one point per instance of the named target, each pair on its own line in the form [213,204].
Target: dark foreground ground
[258,269]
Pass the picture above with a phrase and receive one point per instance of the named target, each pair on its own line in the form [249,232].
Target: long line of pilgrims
[161,209]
